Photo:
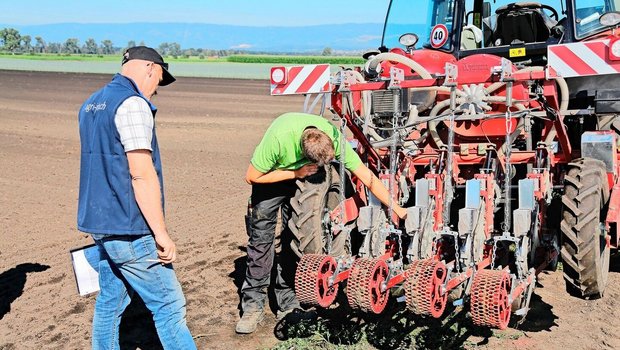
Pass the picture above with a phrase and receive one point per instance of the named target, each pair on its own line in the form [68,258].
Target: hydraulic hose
[366,107]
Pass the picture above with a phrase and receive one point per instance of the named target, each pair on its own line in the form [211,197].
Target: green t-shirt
[280,148]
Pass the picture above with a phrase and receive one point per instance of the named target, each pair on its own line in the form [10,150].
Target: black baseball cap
[149,54]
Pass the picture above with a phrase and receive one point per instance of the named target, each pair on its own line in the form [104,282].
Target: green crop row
[271,59]
[281,59]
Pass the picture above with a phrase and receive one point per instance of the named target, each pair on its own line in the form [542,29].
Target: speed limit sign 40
[439,36]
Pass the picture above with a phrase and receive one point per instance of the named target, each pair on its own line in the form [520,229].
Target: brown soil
[207,129]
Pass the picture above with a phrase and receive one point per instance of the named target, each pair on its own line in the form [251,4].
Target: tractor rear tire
[315,197]
[585,253]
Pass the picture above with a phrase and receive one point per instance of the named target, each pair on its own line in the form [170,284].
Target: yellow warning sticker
[517,52]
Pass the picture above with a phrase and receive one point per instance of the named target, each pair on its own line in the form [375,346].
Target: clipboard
[85,261]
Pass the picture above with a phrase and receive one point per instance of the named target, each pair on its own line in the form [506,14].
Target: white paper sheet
[85,266]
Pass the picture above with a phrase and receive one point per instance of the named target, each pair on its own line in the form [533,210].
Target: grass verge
[275,59]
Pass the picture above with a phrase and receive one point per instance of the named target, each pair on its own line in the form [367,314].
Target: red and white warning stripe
[306,79]
[582,59]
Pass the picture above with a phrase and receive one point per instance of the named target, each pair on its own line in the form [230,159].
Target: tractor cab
[520,31]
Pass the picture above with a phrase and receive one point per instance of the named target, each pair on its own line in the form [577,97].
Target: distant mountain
[347,37]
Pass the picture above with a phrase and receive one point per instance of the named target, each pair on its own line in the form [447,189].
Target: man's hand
[401,212]
[166,249]
[306,170]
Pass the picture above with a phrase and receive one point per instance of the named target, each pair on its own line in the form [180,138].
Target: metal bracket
[397,75]
[504,70]
[390,229]
[452,72]
[345,79]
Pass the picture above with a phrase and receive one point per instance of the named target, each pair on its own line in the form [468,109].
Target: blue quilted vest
[107,204]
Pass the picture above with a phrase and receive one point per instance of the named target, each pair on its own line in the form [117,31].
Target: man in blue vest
[121,202]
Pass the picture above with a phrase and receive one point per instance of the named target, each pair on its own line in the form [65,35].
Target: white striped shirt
[134,122]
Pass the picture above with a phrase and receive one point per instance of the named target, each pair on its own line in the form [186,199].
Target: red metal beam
[405,84]
[521,287]
[342,276]
[383,85]
[351,211]
[398,279]
[563,137]
[455,282]
[517,157]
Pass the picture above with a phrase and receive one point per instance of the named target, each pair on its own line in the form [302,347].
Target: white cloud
[242,46]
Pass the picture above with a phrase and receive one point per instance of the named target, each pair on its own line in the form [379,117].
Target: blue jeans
[124,269]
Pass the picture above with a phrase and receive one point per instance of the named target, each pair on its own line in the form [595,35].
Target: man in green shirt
[293,147]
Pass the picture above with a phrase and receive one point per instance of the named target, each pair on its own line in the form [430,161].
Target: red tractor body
[500,136]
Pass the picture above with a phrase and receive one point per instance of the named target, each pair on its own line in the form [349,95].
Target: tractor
[495,124]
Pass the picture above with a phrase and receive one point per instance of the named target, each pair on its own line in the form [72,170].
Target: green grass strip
[272,59]
[282,59]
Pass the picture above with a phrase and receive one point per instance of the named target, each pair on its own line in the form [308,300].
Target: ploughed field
[207,130]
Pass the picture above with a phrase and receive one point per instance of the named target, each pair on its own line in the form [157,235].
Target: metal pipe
[371,67]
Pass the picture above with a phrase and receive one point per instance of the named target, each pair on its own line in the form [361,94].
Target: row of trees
[13,42]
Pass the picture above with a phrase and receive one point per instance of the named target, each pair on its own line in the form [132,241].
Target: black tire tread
[585,193]
[305,223]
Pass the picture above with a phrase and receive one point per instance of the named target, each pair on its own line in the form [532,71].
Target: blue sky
[238,12]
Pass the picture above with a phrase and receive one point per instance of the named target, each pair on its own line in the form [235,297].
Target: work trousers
[266,201]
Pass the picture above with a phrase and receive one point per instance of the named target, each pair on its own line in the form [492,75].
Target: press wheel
[423,287]
[490,305]
[312,280]
[366,285]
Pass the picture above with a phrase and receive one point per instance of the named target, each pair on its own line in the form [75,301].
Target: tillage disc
[423,285]
[366,289]
[312,277]
[490,304]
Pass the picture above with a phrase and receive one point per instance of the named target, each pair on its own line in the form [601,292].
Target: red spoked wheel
[490,305]
[423,287]
[312,284]
[366,285]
